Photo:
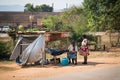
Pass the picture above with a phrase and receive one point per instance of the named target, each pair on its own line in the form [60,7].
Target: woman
[72,54]
[84,51]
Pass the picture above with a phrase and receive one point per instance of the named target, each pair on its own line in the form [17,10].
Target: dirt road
[37,72]
[106,73]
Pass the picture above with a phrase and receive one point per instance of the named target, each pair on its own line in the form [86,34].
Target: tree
[103,15]
[50,22]
[39,8]
[29,8]
[75,20]
[46,8]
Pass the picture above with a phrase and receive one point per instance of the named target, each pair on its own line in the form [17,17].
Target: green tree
[75,20]
[50,22]
[46,8]
[39,8]
[29,8]
[103,15]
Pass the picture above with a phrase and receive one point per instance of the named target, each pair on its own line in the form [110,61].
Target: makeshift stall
[33,50]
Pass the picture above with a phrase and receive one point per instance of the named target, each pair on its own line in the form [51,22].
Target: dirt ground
[103,59]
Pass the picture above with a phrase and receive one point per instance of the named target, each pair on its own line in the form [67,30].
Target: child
[72,54]
[84,51]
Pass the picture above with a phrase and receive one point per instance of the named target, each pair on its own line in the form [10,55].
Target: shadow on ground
[60,66]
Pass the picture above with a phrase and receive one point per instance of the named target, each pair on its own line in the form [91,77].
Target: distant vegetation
[39,8]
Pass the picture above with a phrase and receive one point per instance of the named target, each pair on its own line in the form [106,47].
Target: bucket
[64,61]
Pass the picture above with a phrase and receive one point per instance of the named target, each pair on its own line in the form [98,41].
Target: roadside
[97,60]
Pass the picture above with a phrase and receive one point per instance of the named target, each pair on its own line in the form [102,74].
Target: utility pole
[53,6]
[31,18]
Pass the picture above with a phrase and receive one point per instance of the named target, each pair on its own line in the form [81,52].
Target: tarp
[16,50]
[20,46]
[57,52]
[32,53]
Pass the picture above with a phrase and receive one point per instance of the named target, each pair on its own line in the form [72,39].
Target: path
[108,73]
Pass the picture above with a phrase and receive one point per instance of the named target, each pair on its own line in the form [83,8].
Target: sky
[18,5]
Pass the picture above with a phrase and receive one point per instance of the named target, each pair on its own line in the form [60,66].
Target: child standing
[72,54]
[84,51]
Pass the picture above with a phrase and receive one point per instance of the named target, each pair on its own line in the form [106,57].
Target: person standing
[72,54]
[84,50]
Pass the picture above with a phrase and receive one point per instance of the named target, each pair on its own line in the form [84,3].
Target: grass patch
[7,68]
[6,62]
[104,55]
[113,55]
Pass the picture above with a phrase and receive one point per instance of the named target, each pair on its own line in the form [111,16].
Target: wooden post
[43,54]
[43,60]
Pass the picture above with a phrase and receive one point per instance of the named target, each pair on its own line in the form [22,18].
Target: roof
[51,35]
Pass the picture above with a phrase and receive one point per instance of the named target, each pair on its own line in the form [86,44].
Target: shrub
[5,50]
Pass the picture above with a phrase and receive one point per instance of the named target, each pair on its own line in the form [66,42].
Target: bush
[5,50]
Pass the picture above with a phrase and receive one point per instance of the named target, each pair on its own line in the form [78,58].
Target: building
[26,19]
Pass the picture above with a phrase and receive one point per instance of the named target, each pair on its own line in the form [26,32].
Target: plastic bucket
[64,61]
